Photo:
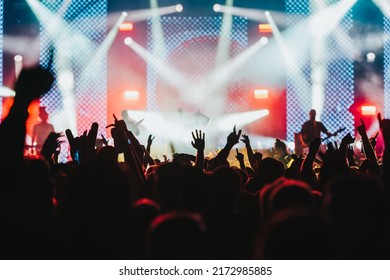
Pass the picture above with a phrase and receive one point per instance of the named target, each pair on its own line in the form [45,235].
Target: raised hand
[348,139]
[105,142]
[233,137]
[51,145]
[199,144]
[147,158]
[74,144]
[361,128]
[32,83]
[239,156]
[245,140]
[351,156]
[198,140]
[150,141]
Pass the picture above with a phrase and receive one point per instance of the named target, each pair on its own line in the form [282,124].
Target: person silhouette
[312,129]
[41,130]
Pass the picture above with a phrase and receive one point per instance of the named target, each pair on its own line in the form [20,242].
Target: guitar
[337,132]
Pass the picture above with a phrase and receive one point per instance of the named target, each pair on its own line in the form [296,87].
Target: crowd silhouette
[328,204]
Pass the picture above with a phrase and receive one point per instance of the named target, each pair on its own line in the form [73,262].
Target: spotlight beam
[143,14]
[166,72]
[303,87]
[240,120]
[218,80]
[157,31]
[224,38]
[100,54]
[253,14]
[57,28]
[384,6]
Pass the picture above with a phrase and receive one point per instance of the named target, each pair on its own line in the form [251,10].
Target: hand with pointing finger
[361,128]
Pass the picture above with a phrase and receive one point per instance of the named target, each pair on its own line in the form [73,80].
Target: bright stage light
[124,14]
[131,95]
[18,58]
[126,26]
[371,57]
[265,28]
[128,41]
[261,93]
[179,8]
[264,40]
[369,110]
[18,65]
[267,13]
[291,146]
[6,92]
[240,120]
[217,8]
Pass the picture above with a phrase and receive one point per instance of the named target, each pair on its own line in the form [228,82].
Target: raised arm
[148,160]
[307,165]
[249,151]
[240,158]
[198,143]
[222,156]
[368,149]
[31,84]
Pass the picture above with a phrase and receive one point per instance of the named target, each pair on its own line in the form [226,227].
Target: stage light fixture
[126,26]
[267,13]
[124,14]
[217,8]
[264,40]
[179,8]
[131,94]
[265,28]
[261,93]
[369,110]
[371,57]
[18,58]
[128,41]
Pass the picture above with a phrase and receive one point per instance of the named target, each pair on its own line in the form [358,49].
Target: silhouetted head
[43,115]
[227,184]
[177,235]
[312,114]
[269,170]
[285,193]
[295,234]
[108,153]
[358,208]
[290,193]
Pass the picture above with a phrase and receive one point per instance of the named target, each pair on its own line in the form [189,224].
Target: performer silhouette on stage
[41,130]
[312,129]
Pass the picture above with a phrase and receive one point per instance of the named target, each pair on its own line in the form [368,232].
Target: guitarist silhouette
[312,129]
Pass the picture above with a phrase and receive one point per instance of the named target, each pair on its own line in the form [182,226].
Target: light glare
[217,8]
[179,8]
[128,41]
[131,95]
[371,57]
[264,40]
[369,110]
[18,58]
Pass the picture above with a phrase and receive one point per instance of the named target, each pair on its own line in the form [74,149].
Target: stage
[169,68]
